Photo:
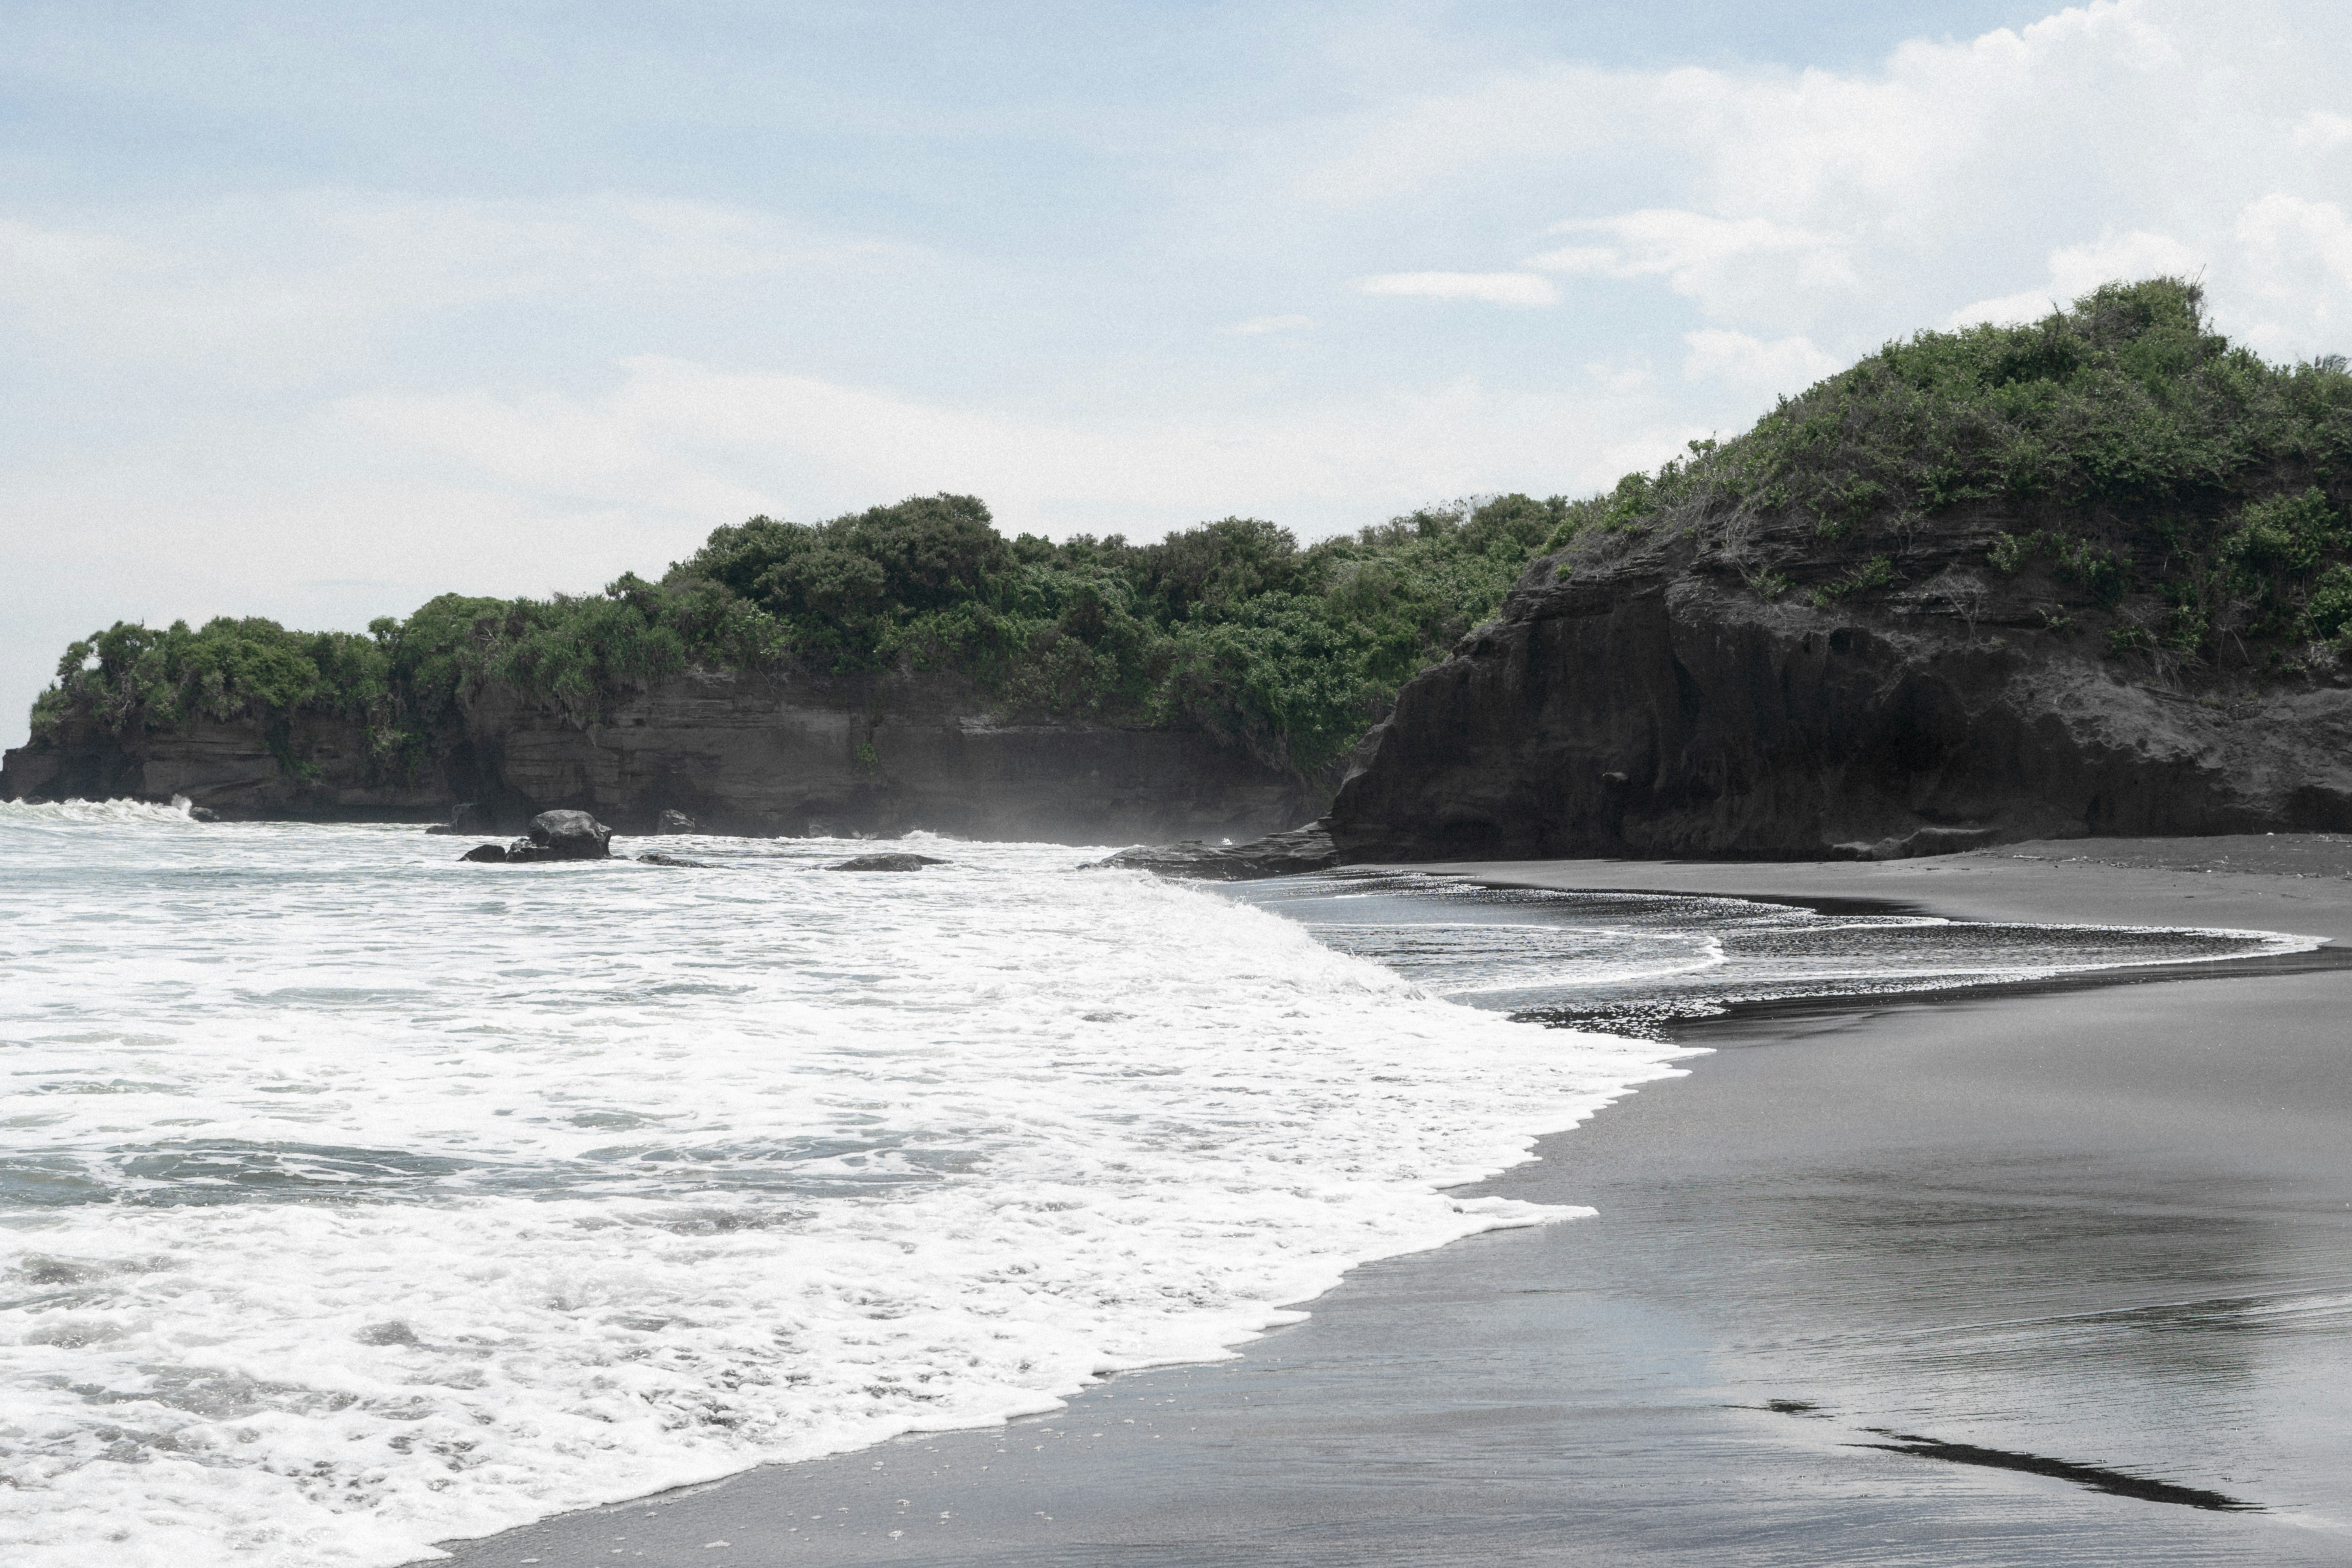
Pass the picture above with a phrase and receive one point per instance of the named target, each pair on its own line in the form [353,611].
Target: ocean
[356,1198]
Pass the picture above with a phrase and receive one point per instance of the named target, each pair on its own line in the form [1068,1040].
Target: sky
[314,312]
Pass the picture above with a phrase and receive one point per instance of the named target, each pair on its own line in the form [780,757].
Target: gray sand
[2110,1225]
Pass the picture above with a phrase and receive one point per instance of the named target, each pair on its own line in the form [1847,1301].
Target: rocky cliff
[1735,689]
[741,753]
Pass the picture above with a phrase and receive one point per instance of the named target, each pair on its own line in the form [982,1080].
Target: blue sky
[315,311]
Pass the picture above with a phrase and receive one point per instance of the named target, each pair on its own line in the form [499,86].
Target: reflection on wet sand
[2110,1225]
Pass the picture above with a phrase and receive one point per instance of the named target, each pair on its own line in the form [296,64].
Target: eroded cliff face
[741,752]
[314,767]
[769,754]
[1653,703]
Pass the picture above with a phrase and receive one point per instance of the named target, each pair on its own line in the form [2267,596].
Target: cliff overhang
[1685,695]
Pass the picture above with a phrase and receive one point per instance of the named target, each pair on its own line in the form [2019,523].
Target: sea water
[1643,963]
[355,1197]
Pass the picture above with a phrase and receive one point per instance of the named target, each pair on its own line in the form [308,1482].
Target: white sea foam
[23,815]
[1624,957]
[358,1198]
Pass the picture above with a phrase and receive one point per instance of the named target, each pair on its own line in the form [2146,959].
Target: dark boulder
[899,861]
[675,821]
[566,835]
[554,835]
[1308,848]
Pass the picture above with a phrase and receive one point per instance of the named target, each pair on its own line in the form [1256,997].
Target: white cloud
[676,436]
[1728,265]
[1258,326]
[2299,259]
[2323,129]
[2076,269]
[1523,289]
[1770,139]
[2027,305]
[292,283]
[1784,365]
[1850,205]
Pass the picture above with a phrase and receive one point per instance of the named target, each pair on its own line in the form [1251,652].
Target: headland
[2088,577]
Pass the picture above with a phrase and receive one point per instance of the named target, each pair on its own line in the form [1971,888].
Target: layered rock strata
[734,752]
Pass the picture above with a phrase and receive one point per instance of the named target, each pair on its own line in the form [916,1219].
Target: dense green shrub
[1289,652]
[228,669]
[2128,401]
[2138,452]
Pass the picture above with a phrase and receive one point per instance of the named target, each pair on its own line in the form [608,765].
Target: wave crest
[119,811]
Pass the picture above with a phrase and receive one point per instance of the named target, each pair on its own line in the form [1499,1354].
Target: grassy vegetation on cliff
[2191,491]
[1289,652]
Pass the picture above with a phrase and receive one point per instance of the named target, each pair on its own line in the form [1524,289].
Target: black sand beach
[2047,1275]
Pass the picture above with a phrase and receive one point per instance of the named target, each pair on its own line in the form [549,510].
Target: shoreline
[2221,883]
[1640,1383]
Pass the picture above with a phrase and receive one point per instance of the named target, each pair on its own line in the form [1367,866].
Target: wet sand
[2095,1241]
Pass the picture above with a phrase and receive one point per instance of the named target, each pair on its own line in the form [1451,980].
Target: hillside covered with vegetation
[2191,487]
[2192,492]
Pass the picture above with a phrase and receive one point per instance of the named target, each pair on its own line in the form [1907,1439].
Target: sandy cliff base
[2109,1227]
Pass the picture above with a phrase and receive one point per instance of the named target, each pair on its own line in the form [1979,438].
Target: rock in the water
[1308,848]
[892,862]
[466,819]
[567,836]
[675,821]
[658,858]
[554,835]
